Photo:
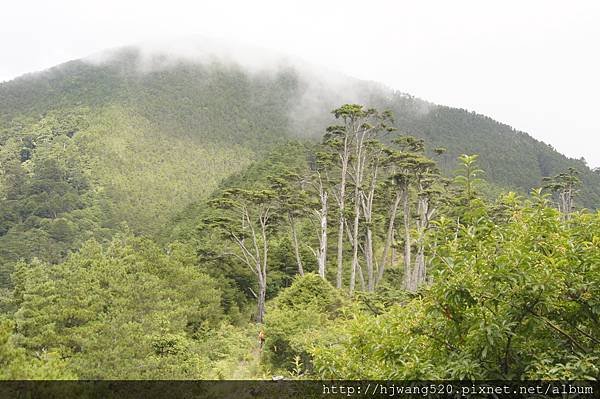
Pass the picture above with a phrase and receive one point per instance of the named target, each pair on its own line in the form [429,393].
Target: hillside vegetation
[153,221]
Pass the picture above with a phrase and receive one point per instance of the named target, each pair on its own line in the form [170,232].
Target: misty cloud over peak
[165,53]
[319,88]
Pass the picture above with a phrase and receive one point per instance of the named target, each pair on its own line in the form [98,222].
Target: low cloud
[319,89]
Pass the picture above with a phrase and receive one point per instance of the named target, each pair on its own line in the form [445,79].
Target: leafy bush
[512,300]
[297,318]
[310,290]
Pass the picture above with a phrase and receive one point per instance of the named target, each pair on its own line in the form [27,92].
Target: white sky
[532,64]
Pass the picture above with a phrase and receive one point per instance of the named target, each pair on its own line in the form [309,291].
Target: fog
[154,55]
[168,52]
[320,89]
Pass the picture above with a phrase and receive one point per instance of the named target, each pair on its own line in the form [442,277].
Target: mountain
[137,137]
[152,203]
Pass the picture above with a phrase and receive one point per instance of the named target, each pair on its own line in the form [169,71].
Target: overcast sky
[532,64]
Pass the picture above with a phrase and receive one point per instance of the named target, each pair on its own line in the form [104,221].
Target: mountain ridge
[225,104]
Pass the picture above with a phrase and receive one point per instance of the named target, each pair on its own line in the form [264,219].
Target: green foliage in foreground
[514,294]
[127,310]
[15,364]
[296,317]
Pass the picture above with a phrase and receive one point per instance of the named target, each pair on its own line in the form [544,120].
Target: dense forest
[153,222]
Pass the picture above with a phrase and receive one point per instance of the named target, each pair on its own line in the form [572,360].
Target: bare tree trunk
[368,247]
[407,240]
[419,270]
[256,262]
[322,255]
[295,244]
[358,178]
[340,250]
[388,237]
[419,260]
[367,204]
[261,299]
[424,216]
[562,204]
[355,243]
[393,261]
[565,205]
[344,158]
[361,277]
[262,288]
[369,261]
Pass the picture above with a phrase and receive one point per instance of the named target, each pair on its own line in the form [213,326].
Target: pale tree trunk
[570,209]
[394,254]
[358,179]
[262,289]
[418,269]
[389,237]
[344,159]
[569,206]
[368,247]
[425,212]
[357,206]
[369,261]
[295,244]
[407,239]
[355,246]
[565,203]
[254,257]
[562,203]
[323,247]
[367,205]
[322,214]
[261,299]
[361,277]
[340,246]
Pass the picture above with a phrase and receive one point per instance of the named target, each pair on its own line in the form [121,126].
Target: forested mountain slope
[225,104]
[89,145]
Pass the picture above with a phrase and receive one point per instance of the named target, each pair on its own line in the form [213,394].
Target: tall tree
[252,218]
[373,168]
[427,193]
[405,162]
[339,139]
[292,201]
[366,125]
[396,196]
[565,186]
[320,209]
